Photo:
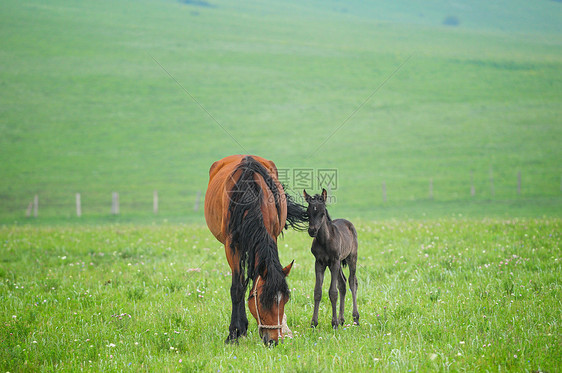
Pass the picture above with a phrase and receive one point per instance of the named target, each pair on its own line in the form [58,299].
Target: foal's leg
[319,269]
[353,286]
[333,292]
[342,284]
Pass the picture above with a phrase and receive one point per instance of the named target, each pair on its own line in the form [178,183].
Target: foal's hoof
[313,324]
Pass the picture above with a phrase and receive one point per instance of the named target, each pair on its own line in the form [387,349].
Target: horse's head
[317,213]
[267,304]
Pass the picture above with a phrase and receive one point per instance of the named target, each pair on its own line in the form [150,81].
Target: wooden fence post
[28,211]
[36,206]
[472,189]
[519,182]
[384,191]
[78,205]
[155,202]
[197,200]
[115,203]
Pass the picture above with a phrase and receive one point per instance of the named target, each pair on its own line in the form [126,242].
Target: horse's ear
[324,195]
[306,196]
[287,269]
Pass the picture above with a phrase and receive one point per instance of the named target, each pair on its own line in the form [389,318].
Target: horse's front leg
[333,292]
[238,320]
[319,269]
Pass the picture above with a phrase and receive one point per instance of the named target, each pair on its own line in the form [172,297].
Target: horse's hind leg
[342,284]
[335,270]
[353,286]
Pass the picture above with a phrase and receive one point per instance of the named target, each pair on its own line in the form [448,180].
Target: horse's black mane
[297,218]
[250,238]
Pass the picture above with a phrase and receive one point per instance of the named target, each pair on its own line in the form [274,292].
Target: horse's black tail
[249,236]
[297,218]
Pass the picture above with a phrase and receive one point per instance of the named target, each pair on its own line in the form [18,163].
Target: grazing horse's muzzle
[268,341]
[270,331]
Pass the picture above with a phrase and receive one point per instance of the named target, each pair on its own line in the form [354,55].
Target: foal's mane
[249,237]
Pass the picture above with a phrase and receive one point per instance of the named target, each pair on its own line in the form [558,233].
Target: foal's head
[267,304]
[317,213]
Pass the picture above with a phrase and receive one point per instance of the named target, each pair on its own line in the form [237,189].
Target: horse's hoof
[232,338]
[313,324]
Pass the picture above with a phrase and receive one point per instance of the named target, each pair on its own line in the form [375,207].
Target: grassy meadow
[439,295]
[91,103]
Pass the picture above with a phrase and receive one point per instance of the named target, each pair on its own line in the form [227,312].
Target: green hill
[136,96]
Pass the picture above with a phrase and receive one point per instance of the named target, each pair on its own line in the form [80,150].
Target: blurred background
[416,109]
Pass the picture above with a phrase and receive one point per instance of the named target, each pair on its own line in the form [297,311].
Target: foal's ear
[307,198]
[287,269]
[324,195]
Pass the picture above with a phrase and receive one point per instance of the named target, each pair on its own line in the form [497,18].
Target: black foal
[334,246]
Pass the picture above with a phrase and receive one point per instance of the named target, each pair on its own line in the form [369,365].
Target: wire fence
[191,203]
[79,206]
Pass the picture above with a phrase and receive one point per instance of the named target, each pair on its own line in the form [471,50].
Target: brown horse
[246,208]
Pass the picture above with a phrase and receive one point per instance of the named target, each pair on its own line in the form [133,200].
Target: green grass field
[87,105]
[439,295]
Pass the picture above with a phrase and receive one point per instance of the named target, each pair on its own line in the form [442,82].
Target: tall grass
[447,294]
